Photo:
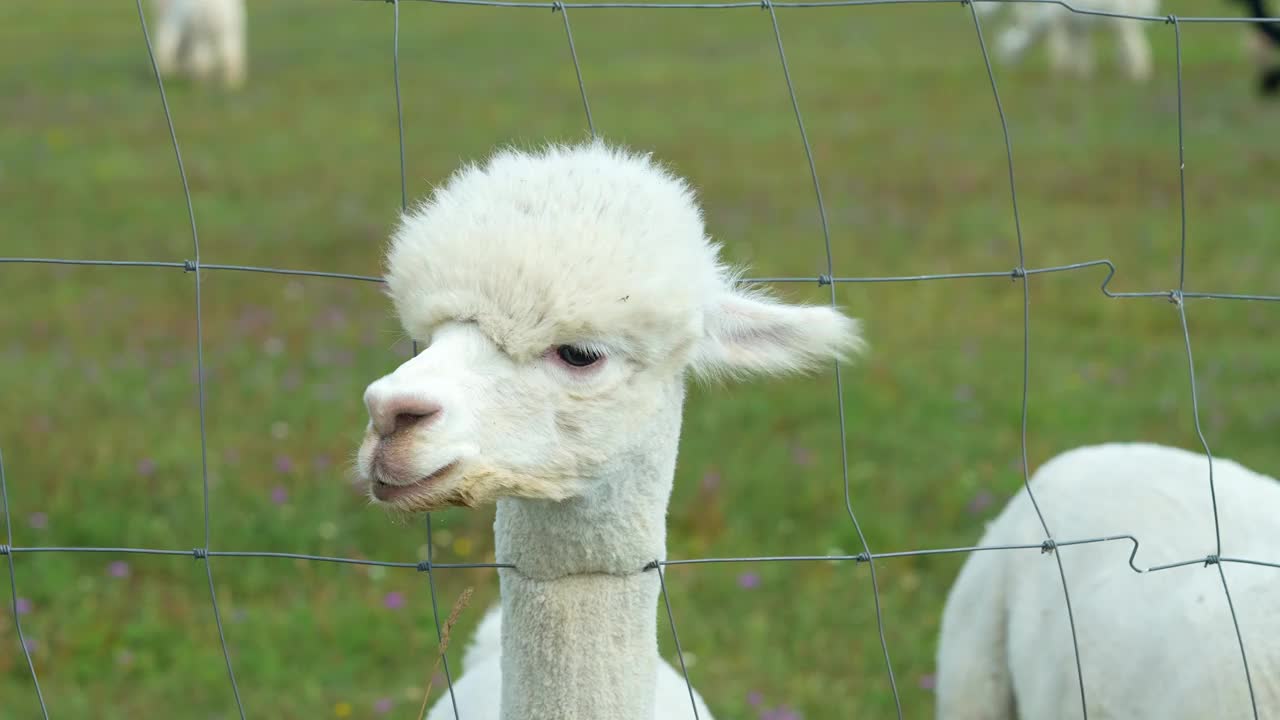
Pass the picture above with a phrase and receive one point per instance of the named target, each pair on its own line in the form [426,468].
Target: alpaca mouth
[386,492]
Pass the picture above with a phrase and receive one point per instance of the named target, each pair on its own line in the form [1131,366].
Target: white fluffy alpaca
[1069,34]
[1157,645]
[561,297]
[202,37]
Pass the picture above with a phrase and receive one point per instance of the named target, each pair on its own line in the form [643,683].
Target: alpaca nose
[393,412]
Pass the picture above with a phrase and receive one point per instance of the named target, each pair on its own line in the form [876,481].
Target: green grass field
[98,420]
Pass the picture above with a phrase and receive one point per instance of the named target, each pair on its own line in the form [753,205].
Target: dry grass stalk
[458,606]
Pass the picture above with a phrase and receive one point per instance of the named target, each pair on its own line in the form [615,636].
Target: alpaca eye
[577,357]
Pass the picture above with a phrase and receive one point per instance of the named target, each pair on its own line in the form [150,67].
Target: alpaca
[1156,645]
[1069,34]
[561,297]
[201,37]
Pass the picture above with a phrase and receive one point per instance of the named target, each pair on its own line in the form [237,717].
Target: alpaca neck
[579,622]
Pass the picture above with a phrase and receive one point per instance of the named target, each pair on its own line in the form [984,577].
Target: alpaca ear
[750,334]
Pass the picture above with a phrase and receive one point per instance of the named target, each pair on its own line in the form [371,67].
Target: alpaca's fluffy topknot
[583,243]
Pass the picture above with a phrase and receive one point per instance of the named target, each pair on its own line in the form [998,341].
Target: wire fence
[1049,545]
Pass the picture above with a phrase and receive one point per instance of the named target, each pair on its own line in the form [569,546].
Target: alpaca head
[559,299]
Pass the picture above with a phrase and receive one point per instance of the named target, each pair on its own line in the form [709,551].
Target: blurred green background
[99,427]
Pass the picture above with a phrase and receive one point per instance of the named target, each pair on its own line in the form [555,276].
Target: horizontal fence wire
[820,280]
[555,5]
[1019,272]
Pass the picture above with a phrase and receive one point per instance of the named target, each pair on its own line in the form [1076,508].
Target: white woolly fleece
[482,673]
[573,243]
[586,243]
[1157,645]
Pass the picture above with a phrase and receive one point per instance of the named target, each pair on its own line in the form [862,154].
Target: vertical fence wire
[577,67]
[1020,271]
[591,126]
[671,618]
[404,207]
[839,383]
[13,587]
[200,553]
[1191,365]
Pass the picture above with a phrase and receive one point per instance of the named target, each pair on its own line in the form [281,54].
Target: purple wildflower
[118,569]
[335,317]
[801,455]
[38,520]
[146,467]
[279,495]
[981,501]
[394,600]
[284,464]
[748,580]
[754,698]
[24,606]
[929,681]
[383,706]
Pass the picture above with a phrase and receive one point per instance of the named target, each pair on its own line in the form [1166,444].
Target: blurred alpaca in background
[201,37]
[1069,34]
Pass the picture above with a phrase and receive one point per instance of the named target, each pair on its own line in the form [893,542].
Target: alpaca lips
[387,492]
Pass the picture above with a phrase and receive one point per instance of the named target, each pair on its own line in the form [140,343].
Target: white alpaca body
[1069,34]
[202,37]
[561,298]
[1156,645]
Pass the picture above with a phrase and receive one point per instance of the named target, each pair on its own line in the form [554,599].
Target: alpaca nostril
[395,414]
[409,419]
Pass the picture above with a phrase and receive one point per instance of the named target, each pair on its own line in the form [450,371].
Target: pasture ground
[99,427]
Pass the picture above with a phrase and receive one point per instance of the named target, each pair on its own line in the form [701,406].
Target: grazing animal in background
[201,37]
[1070,34]
[1265,46]
[561,297]
[1156,645]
